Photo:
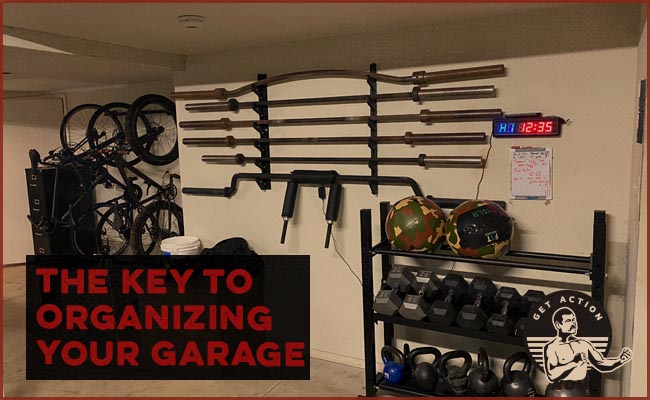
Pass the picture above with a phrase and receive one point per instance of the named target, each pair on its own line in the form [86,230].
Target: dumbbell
[400,278]
[387,301]
[507,298]
[528,302]
[426,282]
[423,291]
[472,316]
[444,311]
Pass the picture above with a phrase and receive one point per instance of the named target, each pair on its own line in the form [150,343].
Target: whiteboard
[531,173]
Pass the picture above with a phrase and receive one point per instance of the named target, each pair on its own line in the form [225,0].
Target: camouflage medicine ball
[479,229]
[415,224]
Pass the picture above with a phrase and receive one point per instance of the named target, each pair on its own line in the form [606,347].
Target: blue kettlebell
[394,361]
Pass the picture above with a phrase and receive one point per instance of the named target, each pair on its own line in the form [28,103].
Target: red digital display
[535,126]
[521,127]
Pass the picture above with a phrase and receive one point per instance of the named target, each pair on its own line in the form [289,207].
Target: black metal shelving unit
[593,267]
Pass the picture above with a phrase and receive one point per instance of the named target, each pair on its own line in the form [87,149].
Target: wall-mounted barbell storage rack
[593,267]
[418,94]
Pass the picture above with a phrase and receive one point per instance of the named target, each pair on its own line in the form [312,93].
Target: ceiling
[58,46]
[154,26]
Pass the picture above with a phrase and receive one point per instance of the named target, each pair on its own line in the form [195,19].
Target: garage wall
[591,87]
[637,297]
[583,180]
[26,124]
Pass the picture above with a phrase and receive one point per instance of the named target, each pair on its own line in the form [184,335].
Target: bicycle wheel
[151,129]
[109,226]
[73,132]
[106,131]
[156,222]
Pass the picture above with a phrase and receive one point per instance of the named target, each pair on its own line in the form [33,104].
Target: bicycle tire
[146,232]
[73,132]
[110,118]
[151,129]
[109,238]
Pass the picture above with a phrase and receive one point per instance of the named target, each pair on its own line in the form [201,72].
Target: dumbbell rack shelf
[592,266]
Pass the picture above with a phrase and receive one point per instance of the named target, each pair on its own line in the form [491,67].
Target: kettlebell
[567,389]
[407,371]
[425,375]
[482,381]
[393,369]
[517,383]
[455,378]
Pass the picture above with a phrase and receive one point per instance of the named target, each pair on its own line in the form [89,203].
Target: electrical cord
[338,252]
[478,186]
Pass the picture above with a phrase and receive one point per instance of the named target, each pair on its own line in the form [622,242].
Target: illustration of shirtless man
[566,357]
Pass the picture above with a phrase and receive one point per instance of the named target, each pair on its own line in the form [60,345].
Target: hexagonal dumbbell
[444,311]
[508,299]
[387,301]
[423,291]
[400,278]
[530,300]
[427,282]
[473,316]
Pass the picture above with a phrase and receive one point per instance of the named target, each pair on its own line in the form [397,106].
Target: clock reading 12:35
[526,127]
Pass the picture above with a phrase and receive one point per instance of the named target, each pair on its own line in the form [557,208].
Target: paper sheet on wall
[530,173]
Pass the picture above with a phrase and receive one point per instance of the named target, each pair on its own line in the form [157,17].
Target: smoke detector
[190,21]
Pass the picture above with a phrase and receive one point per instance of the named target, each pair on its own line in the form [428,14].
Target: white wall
[27,123]
[591,88]
[636,332]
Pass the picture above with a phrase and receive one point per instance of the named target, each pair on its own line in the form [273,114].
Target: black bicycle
[146,129]
[134,217]
[121,220]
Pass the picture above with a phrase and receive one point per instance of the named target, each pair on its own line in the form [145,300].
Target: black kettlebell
[425,375]
[567,389]
[455,378]
[517,383]
[482,381]
[406,351]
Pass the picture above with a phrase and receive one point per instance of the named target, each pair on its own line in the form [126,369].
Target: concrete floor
[327,378]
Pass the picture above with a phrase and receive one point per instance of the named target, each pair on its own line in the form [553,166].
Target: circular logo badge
[567,329]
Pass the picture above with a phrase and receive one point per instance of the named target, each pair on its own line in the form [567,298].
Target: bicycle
[113,222]
[146,129]
[158,216]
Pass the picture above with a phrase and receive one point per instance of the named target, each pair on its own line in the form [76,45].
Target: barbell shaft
[407,138]
[417,95]
[424,116]
[417,78]
[423,160]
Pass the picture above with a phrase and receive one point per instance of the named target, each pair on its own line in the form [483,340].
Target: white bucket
[180,246]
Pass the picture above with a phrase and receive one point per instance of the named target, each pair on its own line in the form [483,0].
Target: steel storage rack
[592,266]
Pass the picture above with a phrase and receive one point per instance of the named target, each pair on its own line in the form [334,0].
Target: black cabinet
[52,193]
[593,267]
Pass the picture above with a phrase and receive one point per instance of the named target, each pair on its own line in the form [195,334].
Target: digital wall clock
[529,126]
